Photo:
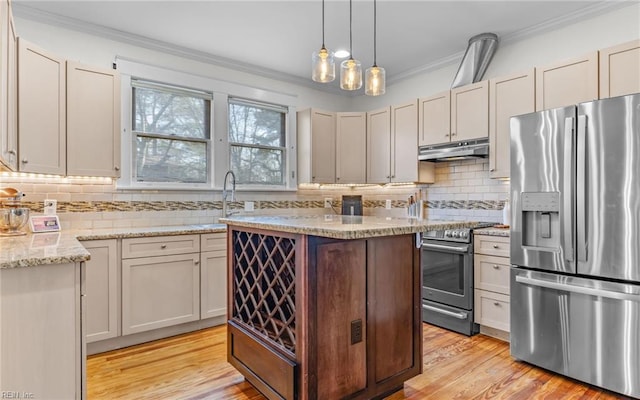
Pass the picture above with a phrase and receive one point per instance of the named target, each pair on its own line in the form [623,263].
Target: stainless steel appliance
[575,241]
[477,148]
[447,280]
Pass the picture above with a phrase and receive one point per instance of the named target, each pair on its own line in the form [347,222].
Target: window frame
[284,149]
[219,136]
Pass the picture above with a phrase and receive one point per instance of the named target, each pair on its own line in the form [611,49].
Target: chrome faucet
[226,213]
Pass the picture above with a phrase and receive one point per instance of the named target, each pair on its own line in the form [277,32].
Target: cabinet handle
[388,177]
[446,135]
[313,177]
[197,262]
[337,178]
[492,169]
[12,152]
[164,246]
[25,161]
[393,176]
[453,134]
[495,246]
[495,303]
[496,266]
[117,168]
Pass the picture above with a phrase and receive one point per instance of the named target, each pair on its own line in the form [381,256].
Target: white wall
[618,26]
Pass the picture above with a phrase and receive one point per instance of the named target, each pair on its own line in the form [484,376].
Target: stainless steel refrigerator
[575,241]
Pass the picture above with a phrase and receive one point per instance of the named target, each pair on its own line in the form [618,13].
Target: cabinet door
[351,147]
[93,121]
[508,96]
[567,82]
[323,147]
[213,284]
[379,146]
[619,70]
[404,145]
[102,290]
[470,111]
[160,291]
[434,116]
[8,88]
[41,110]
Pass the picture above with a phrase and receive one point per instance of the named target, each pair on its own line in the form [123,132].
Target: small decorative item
[44,223]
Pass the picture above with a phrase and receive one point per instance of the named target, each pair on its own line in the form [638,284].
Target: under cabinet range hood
[465,149]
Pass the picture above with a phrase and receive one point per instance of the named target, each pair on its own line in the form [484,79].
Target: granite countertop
[492,231]
[344,227]
[64,247]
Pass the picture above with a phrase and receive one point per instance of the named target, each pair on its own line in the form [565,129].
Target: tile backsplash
[463,191]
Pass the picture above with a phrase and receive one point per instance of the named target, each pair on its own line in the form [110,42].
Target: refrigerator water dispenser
[541,220]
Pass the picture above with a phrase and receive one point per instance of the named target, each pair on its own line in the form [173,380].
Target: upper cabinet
[351,147]
[392,146]
[316,146]
[8,88]
[508,96]
[41,110]
[470,111]
[434,119]
[567,82]
[620,70]
[93,121]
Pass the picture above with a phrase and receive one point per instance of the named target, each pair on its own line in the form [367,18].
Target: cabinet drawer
[160,246]
[492,310]
[213,242]
[491,273]
[492,245]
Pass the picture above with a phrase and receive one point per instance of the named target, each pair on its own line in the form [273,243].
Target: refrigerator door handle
[578,289]
[568,196]
[581,193]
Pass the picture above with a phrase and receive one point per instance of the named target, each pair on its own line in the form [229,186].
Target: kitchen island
[325,307]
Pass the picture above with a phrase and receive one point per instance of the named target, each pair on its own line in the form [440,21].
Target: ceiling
[276,38]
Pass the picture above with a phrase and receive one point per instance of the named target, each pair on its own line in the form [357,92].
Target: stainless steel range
[447,280]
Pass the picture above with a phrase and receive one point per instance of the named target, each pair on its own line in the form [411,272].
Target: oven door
[447,273]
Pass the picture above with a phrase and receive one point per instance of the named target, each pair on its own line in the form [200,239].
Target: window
[171,134]
[257,142]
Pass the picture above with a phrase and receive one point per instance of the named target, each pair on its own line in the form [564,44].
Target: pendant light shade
[323,63]
[375,76]
[350,70]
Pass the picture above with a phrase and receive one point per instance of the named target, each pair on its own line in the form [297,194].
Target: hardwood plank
[193,366]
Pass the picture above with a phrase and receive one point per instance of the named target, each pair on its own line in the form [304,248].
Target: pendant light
[350,70]
[375,76]
[323,64]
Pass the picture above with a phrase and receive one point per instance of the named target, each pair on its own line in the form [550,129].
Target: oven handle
[458,315]
[451,249]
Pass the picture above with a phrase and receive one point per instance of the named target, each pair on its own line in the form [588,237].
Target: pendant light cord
[323,24]
[350,31]
[375,19]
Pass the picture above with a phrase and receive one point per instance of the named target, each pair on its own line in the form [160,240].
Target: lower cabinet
[103,290]
[42,345]
[213,275]
[160,291]
[491,283]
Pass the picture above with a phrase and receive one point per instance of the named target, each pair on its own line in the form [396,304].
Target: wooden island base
[319,318]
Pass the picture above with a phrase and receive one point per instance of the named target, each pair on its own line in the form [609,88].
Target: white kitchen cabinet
[434,119]
[102,290]
[508,96]
[42,340]
[392,146]
[41,110]
[93,121]
[213,275]
[351,147]
[620,70]
[492,284]
[316,146]
[470,111]
[161,287]
[379,145]
[567,82]
[8,88]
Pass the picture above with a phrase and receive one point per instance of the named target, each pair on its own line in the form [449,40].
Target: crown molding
[34,14]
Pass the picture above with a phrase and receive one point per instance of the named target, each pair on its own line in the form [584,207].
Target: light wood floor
[193,366]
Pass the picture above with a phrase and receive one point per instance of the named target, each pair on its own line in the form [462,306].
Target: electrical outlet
[50,206]
[327,202]
[356,331]
[387,204]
